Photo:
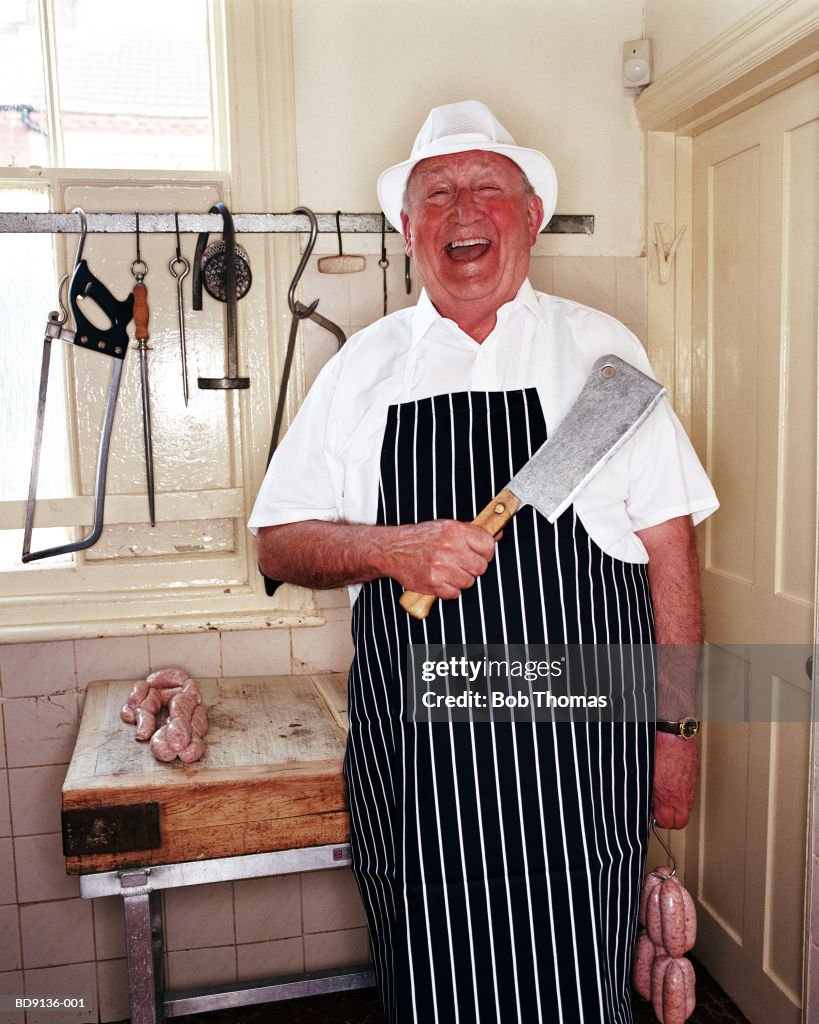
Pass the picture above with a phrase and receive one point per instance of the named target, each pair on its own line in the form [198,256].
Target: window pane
[29,291]
[134,84]
[23,138]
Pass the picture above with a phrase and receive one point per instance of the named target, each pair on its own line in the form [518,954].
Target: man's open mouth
[465,249]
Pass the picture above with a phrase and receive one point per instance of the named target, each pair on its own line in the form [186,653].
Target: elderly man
[499,864]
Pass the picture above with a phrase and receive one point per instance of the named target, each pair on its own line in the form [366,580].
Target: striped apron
[499,864]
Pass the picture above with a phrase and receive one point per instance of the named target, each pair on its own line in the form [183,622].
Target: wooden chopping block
[270,778]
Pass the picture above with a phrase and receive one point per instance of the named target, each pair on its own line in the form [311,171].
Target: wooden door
[755,217]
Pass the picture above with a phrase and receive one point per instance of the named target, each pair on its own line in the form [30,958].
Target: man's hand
[441,557]
[675,779]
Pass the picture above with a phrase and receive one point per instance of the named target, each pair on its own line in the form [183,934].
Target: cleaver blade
[613,403]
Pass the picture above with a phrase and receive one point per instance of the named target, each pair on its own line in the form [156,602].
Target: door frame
[773,48]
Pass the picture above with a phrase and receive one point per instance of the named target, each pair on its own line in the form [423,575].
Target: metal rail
[250,223]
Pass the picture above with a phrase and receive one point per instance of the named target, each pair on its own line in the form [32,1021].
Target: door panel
[755,420]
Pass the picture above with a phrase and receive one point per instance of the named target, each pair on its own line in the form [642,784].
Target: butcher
[499,863]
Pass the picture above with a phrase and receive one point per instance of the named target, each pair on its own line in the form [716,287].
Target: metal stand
[140,890]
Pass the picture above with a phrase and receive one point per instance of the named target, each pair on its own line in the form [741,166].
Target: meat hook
[299,312]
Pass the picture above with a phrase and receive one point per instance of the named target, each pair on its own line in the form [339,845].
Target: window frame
[173,593]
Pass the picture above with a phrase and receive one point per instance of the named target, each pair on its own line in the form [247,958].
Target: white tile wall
[5,810]
[28,670]
[40,730]
[8,889]
[199,923]
[109,928]
[222,932]
[253,903]
[249,652]
[75,980]
[270,959]
[10,955]
[35,799]
[11,983]
[112,981]
[327,949]
[45,928]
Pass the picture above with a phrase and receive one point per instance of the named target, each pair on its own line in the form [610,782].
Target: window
[28,270]
[196,569]
[130,85]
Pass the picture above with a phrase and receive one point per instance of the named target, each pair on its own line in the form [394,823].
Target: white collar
[425,314]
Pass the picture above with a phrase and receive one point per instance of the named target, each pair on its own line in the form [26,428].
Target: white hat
[457,128]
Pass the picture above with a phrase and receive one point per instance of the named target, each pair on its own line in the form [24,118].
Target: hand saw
[111,341]
[614,401]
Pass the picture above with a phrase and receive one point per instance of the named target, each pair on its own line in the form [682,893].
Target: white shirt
[327,465]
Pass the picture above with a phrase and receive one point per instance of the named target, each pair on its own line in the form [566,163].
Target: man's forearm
[441,557]
[674,577]
[322,555]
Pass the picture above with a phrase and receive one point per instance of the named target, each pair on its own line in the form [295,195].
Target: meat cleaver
[614,401]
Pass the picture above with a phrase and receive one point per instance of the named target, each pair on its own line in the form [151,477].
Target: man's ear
[405,231]
[535,216]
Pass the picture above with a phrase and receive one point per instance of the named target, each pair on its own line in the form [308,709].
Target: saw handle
[493,518]
[141,312]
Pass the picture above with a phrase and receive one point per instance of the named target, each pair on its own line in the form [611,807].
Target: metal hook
[139,268]
[62,316]
[296,308]
[667,849]
[83,232]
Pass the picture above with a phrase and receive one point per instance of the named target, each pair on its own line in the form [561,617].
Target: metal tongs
[111,341]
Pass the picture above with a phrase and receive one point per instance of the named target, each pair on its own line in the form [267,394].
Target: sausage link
[672,917]
[179,733]
[145,723]
[193,751]
[690,919]
[192,687]
[644,953]
[167,693]
[160,747]
[167,677]
[182,704]
[673,994]
[650,883]
[199,720]
[152,701]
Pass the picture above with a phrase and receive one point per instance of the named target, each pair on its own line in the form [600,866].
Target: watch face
[689,727]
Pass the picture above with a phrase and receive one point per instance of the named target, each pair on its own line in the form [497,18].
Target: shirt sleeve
[301,481]
[656,476]
[667,477]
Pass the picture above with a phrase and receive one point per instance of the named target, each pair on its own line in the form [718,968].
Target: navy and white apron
[500,864]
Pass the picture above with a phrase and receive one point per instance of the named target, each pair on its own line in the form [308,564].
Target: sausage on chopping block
[167,677]
[135,698]
[181,736]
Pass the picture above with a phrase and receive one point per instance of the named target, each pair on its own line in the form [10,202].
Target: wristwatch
[686,728]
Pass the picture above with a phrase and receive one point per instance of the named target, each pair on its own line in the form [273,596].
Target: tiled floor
[361,1007]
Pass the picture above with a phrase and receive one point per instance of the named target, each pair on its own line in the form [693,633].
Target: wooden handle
[492,519]
[417,605]
[141,312]
[498,512]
